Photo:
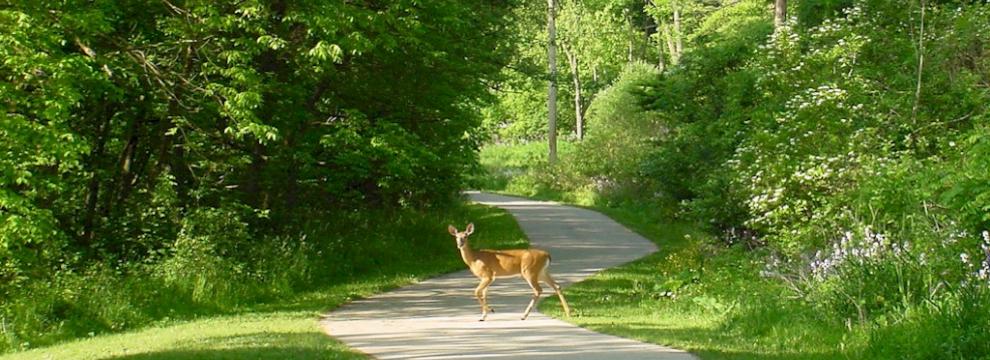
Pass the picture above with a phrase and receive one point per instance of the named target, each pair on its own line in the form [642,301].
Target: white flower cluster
[848,249]
[975,271]
[983,271]
[819,168]
[818,96]
[779,56]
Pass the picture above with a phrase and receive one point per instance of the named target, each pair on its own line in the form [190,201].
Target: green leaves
[597,35]
[121,118]
[968,185]
[326,52]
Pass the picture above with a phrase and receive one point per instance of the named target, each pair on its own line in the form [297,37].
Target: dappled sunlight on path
[437,318]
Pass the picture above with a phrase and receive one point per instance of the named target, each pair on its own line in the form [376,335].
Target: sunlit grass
[704,299]
[287,329]
[275,335]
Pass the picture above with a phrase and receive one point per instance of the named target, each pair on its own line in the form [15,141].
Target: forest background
[231,153]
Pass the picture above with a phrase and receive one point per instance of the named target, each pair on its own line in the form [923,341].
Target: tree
[779,13]
[595,37]
[552,87]
[123,117]
[667,14]
[571,44]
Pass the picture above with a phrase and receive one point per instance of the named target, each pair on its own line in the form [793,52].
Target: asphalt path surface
[438,318]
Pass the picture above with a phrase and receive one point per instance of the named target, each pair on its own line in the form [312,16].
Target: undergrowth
[724,296]
[339,260]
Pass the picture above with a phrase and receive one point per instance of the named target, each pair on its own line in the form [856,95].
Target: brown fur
[531,264]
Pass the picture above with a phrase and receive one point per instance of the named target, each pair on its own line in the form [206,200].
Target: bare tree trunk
[661,62]
[632,38]
[128,158]
[921,64]
[675,56]
[252,184]
[167,148]
[552,88]
[779,13]
[679,41]
[95,159]
[572,60]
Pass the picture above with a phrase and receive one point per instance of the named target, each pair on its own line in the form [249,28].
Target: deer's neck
[467,254]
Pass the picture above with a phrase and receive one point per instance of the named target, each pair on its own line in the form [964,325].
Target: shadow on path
[437,318]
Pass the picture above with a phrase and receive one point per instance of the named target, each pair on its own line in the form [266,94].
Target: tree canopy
[123,118]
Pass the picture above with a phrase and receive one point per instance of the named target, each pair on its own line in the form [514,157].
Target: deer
[531,264]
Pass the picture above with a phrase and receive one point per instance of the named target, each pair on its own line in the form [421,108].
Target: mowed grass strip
[289,329]
[704,299]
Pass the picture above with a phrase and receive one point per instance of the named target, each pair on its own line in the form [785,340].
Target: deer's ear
[470,229]
[452,230]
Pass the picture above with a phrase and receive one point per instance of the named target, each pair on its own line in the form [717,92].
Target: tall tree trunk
[552,88]
[632,39]
[675,56]
[122,176]
[921,64]
[661,62]
[257,194]
[95,159]
[572,60]
[166,146]
[779,13]
[128,158]
[678,35]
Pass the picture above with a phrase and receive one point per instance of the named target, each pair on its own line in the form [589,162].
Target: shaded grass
[699,295]
[711,300]
[276,335]
[706,299]
[506,166]
[287,328]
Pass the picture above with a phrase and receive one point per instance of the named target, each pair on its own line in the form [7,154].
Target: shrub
[207,260]
[620,132]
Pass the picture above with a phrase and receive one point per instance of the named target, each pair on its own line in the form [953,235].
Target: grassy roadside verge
[729,296]
[288,329]
[705,299]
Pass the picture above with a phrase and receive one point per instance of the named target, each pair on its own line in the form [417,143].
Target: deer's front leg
[482,294]
[537,291]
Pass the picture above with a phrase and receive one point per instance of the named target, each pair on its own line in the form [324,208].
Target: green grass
[708,299]
[263,335]
[700,295]
[720,307]
[723,309]
[288,328]
[504,165]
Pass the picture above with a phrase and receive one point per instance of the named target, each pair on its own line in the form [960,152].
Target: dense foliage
[595,38]
[202,138]
[848,148]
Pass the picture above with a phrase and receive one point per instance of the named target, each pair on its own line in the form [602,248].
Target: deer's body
[530,264]
[504,263]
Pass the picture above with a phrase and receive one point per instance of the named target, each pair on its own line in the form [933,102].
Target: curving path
[438,318]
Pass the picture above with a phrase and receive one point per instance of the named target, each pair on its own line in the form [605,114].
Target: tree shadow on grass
[260,346]
[699,341]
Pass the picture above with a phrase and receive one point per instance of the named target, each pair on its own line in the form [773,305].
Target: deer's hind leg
[545,277]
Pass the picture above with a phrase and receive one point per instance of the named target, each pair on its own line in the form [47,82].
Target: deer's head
[461,236]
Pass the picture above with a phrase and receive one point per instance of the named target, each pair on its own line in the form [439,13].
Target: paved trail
[438,318]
